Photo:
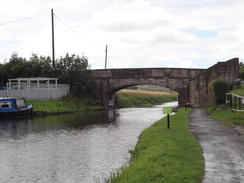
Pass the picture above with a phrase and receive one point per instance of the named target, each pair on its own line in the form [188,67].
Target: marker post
[168,111]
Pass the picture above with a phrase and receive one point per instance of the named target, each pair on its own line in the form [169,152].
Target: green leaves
[218,89]
[72,70]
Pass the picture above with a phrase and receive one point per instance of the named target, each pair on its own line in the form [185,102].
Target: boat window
[5,105]
[20,103]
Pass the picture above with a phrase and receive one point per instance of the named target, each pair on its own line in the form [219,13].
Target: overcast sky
[139,33]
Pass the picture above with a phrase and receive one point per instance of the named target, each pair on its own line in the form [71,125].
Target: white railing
[35,86]
[235,102]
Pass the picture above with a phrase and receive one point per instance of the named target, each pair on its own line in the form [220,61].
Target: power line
[14,21]
[75,31]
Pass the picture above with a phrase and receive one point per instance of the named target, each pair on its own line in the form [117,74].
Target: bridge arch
[190,84]
[112,94]
[110,83]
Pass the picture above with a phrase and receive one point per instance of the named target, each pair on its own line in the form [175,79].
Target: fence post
[239,103]
[235,101]
[230,100]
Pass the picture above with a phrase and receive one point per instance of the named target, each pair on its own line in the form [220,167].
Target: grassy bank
[65,105]
[163,155]
[132,98]
[226,115]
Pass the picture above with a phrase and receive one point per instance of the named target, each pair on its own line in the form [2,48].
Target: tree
[241,71]
[75,71]
[15,67]
[72,70]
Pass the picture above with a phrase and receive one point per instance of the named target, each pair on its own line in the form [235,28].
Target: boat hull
[11,107]
[17,113]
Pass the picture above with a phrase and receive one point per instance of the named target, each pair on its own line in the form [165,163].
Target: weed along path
[223,149]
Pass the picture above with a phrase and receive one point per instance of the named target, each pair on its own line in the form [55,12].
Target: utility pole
[106,56]
[53,50]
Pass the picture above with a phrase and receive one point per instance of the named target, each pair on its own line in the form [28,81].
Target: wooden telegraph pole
[106,56]
[53,49]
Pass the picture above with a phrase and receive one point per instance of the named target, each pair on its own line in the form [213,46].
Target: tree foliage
[72,70]
[217,90]
[241,71]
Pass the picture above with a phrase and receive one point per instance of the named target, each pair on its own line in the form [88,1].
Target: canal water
[71,148]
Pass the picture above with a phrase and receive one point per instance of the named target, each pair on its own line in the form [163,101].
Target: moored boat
[15,107]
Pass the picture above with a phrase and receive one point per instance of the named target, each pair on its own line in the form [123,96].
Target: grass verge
[65,105]
[132,98]
[226,115]
[164,155]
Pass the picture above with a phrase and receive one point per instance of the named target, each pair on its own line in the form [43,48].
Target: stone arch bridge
[191,84]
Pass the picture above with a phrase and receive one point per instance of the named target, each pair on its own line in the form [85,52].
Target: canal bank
[63,106]
[164,155]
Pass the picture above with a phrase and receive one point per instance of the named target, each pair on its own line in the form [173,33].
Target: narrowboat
[14,107]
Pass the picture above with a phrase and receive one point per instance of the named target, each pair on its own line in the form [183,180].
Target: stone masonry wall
[199,85]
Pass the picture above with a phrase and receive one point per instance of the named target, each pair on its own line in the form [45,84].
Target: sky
[139,33]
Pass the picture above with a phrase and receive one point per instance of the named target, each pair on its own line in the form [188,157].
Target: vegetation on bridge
[218,89]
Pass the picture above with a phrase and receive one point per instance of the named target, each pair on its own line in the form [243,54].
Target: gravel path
[223,149]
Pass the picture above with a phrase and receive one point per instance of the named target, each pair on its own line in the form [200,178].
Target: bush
[241,74]
[217,90]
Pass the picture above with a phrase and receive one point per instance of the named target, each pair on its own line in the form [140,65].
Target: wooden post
[53,49]
[106,55]
[168,122]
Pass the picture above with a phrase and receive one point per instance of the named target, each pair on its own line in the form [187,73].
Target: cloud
[139,33]
[135,16]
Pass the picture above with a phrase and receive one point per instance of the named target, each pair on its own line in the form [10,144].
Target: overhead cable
[75,31]
[14,21]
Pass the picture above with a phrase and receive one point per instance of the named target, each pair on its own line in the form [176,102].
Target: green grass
[65,105]
[239,91]
[136,99]
[164,155]
[225,114]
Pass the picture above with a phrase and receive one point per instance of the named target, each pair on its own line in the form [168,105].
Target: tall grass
[164,155]
[139,99]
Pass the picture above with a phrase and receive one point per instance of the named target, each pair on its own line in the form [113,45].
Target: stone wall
[199,95]
[108,82]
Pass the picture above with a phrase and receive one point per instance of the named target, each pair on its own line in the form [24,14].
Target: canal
[71,148]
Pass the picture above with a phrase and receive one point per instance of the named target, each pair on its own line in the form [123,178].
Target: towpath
[223,149]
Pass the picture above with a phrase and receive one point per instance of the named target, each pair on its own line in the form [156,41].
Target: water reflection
[16,128]
[13,128]
[71,147]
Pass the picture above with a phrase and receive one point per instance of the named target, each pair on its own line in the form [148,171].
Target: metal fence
[236,102]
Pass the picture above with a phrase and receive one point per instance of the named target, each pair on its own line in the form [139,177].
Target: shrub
[241,74]
[217,90]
